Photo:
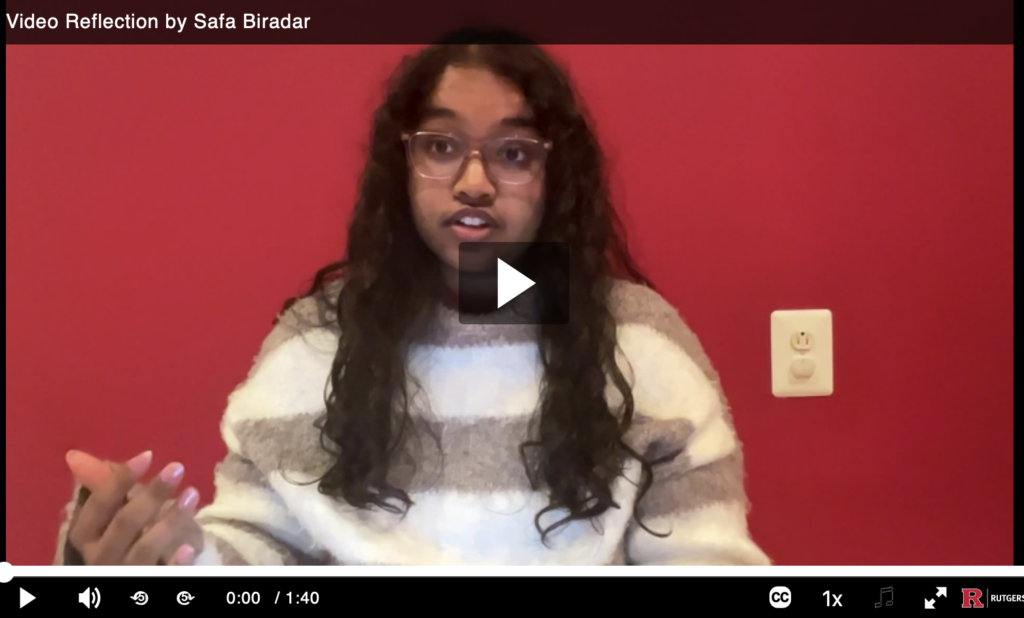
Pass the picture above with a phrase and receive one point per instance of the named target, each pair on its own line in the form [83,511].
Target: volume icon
[90,597]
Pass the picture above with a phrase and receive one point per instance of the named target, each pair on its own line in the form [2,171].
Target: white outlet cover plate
[818,322]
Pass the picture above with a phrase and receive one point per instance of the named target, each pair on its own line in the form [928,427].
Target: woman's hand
[124,522]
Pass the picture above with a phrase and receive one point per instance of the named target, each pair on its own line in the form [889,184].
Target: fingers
[168,505]
[137,490]
[166,508]
[90,471]
[106,499]
[163,541]
[134,492]
[129,522]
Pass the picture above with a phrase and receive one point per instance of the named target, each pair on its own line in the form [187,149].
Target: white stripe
[479,381]
[712,535]
[291,380]
[453,528]
[668,384]
[711,442]
[259,507]
[230,438]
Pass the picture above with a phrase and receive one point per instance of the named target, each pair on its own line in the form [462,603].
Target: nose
[473,183]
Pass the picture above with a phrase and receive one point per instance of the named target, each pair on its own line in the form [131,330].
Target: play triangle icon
[511,283]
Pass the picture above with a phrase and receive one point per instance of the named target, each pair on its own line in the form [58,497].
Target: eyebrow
[521,121]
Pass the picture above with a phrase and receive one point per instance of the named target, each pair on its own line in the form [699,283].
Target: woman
[601,440]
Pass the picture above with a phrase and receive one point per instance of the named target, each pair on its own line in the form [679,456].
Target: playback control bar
[341,593]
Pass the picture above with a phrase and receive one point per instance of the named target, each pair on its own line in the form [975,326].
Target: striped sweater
[481,383]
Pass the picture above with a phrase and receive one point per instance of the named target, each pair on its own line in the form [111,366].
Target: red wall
[161,203]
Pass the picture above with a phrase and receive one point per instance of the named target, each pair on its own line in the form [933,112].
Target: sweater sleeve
[684,426]
[247,522]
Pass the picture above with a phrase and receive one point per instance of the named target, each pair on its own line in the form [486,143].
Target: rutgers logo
[972,597]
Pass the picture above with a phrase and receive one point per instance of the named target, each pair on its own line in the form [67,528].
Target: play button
[26,597]
[511,283]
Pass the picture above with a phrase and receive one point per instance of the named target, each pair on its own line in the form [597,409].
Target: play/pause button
[514,283]
[26,597]
[511,283]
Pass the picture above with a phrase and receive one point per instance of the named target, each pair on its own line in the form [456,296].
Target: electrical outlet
[802,341]
[802,353]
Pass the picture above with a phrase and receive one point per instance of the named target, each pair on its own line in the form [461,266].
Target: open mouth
[472,228]
[472,224]
[475,223]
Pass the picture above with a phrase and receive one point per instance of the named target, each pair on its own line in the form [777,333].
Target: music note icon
[885,596]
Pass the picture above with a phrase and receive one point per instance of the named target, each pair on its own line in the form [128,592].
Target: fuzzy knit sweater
[481,384]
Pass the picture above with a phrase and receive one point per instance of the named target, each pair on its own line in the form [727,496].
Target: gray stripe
[630,304]
[450,330]
[311,312]
[482,455]
[238,469]
[680,488]
[289,555]
[228,555]
[289,444]
[445,329]
[658,439]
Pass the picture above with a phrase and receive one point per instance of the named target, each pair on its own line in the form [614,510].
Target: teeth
[472,221]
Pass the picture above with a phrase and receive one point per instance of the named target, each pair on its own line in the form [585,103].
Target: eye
[437,147]
[440,146]
[513,152]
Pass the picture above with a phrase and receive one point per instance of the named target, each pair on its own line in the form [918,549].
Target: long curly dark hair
[390,277]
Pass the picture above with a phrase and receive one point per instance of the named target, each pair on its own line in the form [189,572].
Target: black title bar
[645,22]
[527,594]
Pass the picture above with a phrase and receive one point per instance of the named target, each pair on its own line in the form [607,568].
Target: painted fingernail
[172,472]
[140,463]
[188,499]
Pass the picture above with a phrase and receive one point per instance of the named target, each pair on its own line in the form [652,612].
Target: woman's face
[477,108]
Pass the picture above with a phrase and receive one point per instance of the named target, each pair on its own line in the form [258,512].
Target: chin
[471,262]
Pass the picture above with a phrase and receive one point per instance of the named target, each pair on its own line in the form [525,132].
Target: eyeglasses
[509,160]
